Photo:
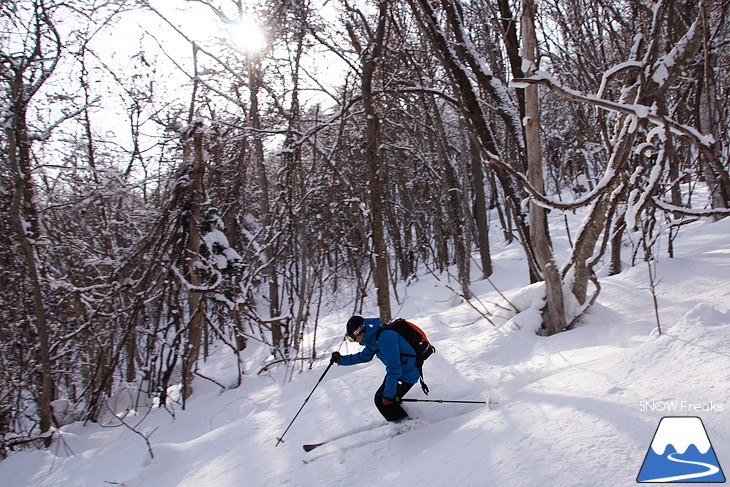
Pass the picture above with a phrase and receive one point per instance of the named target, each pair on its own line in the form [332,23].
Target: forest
[179,174]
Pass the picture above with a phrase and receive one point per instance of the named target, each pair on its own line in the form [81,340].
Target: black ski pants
[392,412]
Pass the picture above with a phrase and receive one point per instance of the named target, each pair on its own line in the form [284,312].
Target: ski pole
[280,439]
[443,401]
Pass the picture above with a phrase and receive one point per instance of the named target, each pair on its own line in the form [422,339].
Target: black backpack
[416,338]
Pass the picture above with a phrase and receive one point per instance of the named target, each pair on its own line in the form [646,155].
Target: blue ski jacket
[393,350]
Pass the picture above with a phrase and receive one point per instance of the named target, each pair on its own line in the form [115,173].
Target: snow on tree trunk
[554,313]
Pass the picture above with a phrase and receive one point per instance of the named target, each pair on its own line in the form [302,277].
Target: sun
[248,36]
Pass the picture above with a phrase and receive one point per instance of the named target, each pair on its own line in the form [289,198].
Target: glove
[335,358]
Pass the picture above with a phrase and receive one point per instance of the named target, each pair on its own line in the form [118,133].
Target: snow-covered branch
[680,210]
[704,142]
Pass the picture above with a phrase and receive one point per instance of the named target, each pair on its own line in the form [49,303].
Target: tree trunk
[24,221]
[714,173]
[195,297]
[278,332]
[554,315]
[616,264]
[480,211]
[455,225]
[372,158]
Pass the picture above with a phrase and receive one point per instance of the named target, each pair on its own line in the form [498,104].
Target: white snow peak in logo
[680,452]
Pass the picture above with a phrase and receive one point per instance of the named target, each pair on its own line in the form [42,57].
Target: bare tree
[370,58]
[539,233]
[25,68]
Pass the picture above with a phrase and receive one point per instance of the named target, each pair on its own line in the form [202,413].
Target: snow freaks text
[681,407]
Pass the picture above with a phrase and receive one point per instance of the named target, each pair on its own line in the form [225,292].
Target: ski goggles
[358,330]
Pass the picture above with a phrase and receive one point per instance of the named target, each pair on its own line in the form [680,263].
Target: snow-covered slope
[576,409]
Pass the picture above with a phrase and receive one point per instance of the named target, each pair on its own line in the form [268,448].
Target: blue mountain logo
[680,452]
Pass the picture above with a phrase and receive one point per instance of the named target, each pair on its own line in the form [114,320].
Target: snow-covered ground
[576,409]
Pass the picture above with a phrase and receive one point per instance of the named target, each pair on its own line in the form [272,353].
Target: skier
[394,351]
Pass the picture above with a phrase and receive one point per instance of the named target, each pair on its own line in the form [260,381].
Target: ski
[312,446]
[373,433]
[490,403]
[379,433]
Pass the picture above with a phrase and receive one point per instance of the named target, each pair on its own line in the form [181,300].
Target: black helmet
[355,326]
